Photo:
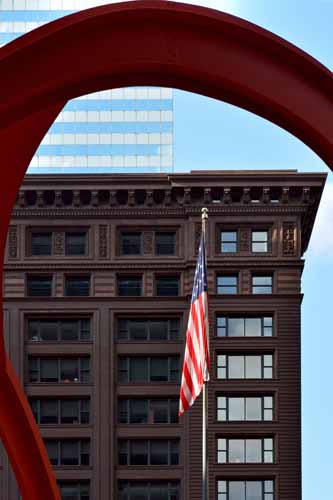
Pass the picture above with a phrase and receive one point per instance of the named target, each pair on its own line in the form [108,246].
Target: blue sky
[211,135]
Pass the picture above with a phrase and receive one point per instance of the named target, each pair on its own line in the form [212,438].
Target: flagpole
[204,217]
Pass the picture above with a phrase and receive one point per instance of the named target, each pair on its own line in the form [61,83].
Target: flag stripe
[196,358]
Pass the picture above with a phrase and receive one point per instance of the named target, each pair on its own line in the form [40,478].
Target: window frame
[122,233]
[233,242]
[267,492]
[263,275]
[126,321]
[128,277]
[264,407]
[263,365]
[165,231]
[59,321]
[39,233]
[224,448]
[149,412]
[81,443]
[80,484]
[148,359]
[227,275]
[166,276]
[128,452]
[31,276]
[78,276]
[86,242]
[171,485]
[36,406]
[268,240]
[81,369]
[263,317]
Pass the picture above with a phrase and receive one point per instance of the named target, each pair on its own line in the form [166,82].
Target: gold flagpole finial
[204,213]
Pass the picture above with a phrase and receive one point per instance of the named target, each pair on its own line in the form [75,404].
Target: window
[77,286]
[262,284]
[130,286]
[54,330]
[78,490]
[227,284]
[41,244]
[245,451]
[146,369]
[240,366]
[259,241]
[152,490]
[61,411]
[252,326]
[65,370]
[68,451]
[245,490]
[75,243]
[131,243]
[142,329]
[249,408]
[167,286]
[228,241]
[148,411]
[148,452]
[165,243]
[39,286]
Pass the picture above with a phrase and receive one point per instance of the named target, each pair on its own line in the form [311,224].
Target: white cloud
[321,243]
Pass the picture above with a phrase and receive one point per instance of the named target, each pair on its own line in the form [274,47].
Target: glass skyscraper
[119,130]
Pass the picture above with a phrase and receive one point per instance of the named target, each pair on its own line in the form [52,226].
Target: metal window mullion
[59,458]
[148,358]
[128,369]
[59,411]
[128,410]
[59,361]
[148,452]
[169,368]
[58,330]
[245,363]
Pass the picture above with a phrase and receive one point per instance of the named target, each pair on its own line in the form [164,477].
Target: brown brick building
[98,277]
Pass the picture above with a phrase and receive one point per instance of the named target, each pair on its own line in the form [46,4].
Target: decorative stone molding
[131,198]
[94,198]
[58,198]
[113,198]
[207,195]
[40,198]
[59,243]
[244,239]
[148,237]
[103,245]
[76,198]
[306,195]
[266,195]
[167,197]
[285,195]
[246,198]
[227,196]
[12,242]
[187,196]
[289,239]
[149,198]
[21,199]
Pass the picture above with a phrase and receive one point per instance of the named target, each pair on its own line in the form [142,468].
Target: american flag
[196,358]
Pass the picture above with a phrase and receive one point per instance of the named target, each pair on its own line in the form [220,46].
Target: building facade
[97,283]
[122,130]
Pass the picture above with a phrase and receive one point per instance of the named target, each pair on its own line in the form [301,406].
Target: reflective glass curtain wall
[120,130]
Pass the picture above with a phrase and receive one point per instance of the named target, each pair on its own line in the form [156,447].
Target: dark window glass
[59,329]
[75,243]
[152,411]
[228,241]
[130,243]
[144,369]
[259,241]
[167,286]
[59,369]
[68,451]
[79,490]
[262,284]
[77,286]
[41,243]
[39,286]
[227,284]
[129,286]
[48,411]
[240,327]
[245,450]
[165,243]
[149,490]
[159,329]
[148,452]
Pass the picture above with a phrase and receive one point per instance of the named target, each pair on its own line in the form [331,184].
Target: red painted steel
[139,43]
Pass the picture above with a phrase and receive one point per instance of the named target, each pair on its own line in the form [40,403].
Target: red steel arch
[138,43]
